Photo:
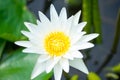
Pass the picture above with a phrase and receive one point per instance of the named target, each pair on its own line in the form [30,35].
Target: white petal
[79,64]
[41,26]
[68,56]
[77,29]
[75,21]
[53,14]
[73,54]
[63,15]
[82,46]
[38,69]
[80,26]
[64,64]
[33,36]
[28,34]
[76,18]
[69,21]
[76,54]
[57,72]
[69,25]
[24,43]
[38,22]
[51,63]
[43,58]
[88,37]
[76,37]
[33,50]
[43,18]
[30,26]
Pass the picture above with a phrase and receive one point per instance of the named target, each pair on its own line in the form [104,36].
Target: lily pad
[19,66]
[13,14]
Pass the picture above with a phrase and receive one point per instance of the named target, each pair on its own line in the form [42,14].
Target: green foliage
[87,14]
[116,68]
[74,77]
[96,20]
[91,14]
[112,75]
[13,13]
[2,45]
[73,2]
[93,76]
[19,66]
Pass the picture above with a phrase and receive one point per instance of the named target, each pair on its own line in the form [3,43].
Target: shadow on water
[108,11]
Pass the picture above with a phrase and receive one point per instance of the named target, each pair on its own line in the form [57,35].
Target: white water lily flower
[57,41]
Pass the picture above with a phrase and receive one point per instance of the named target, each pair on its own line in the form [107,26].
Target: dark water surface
[108,11]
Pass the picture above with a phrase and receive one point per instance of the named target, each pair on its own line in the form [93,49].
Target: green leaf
[74,77]
[96,20]
[91,14]
[93,76]
[112,75]
[73,2]
[2,45]
[13,14]
[87,14]
[19,66]
[116,68]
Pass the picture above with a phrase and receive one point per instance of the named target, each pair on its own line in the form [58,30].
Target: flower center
[56,43]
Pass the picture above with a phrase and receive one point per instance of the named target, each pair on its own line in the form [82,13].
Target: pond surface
[108,11]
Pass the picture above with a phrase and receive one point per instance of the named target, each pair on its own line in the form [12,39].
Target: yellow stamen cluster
[56,43]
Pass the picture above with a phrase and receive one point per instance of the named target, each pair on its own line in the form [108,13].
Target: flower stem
[114,46]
